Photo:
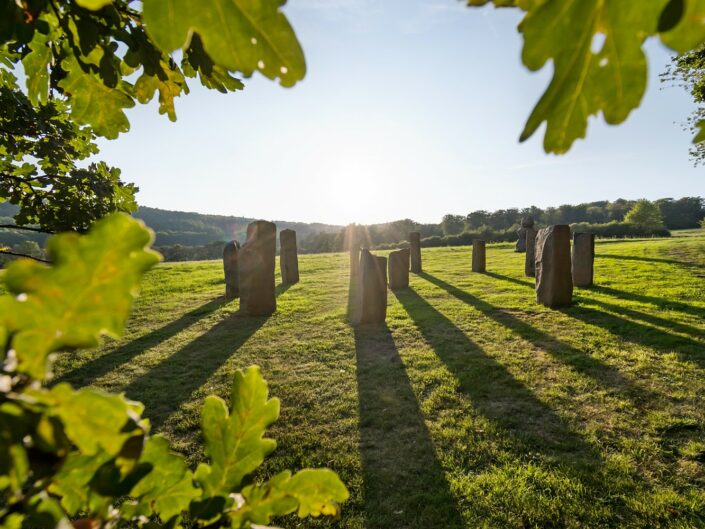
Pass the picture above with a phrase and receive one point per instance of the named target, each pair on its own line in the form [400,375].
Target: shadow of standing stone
[256,267]
[399,269]
[478,255]
[230,268]
[415,249]
[288,257]
[583,259]
[373,307]
[554,280]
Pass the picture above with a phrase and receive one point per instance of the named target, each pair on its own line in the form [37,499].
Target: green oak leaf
[235,441]
[311,492]
[71,482]
[86,293]
[611,80]
[689,32]
[36,67]
[93,420]
[318,491]
[168,489]
[241,35]
[93,103]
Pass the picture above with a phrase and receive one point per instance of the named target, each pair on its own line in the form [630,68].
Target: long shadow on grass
[171,382]
[633,331]
[640,334]
[659,260]
[533,427]
[661,303]
[649,318]
[404,484]
[121,355]
[175,378]
[581,361]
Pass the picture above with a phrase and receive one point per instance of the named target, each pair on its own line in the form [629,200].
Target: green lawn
[473,407]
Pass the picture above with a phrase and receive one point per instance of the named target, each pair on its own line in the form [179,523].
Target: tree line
[185,236]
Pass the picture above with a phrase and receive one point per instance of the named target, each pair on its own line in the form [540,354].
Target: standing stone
[415,249]
[530,259]
[256,268]
[354,247]
[478,255]
[374,288]
[526,223]
[554,281]
[399,269]
[230,267]
[288,257]
[583,259]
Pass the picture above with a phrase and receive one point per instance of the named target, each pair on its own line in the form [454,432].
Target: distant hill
[177,227]
[196,229]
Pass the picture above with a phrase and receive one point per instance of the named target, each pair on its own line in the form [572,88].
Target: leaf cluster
[40,149]
[596,49]
[87,456]
[106,55]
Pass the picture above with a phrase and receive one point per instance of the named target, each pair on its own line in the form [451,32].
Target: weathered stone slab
[415,251]
[399,269]
[530,258]
[256,265]
[526,223]
[288,257]
[478,255]
[583,259]
[373,303]
[352,244]
[554,281]
[230,268]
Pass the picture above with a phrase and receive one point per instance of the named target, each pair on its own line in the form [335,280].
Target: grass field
[472,407]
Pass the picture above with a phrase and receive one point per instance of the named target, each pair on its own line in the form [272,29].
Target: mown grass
[472,407]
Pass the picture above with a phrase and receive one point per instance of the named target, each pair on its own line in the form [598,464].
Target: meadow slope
[472,407]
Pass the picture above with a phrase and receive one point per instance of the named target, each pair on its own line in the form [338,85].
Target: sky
[409,109]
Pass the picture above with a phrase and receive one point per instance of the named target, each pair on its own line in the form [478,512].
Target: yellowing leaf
[87,292]
[241,35]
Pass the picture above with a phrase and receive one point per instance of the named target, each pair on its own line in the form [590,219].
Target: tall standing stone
[399,269]
[230,268]
[256,266]
[526,224]
[530,256]
[354,247]
[415,251]
[374,288]
[554,281]
[478,255]
[288,257]
[583,259]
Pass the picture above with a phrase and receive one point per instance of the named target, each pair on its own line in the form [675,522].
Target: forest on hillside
[185,236]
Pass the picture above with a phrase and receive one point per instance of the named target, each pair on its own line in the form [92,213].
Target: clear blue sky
[410,109]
